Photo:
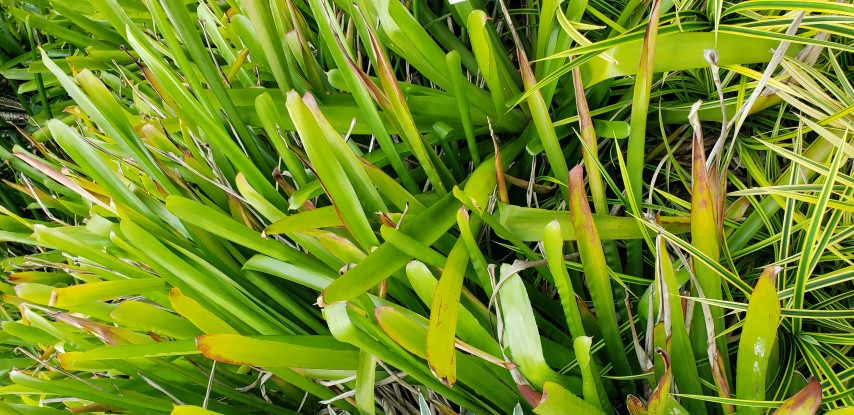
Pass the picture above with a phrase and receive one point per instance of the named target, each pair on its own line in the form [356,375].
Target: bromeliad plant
[303,206]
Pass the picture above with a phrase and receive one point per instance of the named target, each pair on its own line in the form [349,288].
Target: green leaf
[706,207]
[104,290]
[129,400]
[324,217]
[521,336]
[331,34]
[636,146]
[191,410]
[320,141]
[757,341]
[557,400]
[813,243]
[684,365]
[426,227]
[411,335]
[553,246]
[486,51]
[153,319]
[84,155]
[220,224]
[594,391]
[343,327]
[596,270]
[202,318]
[528,224]
[134,351]
[188,278]
[308,352]
[412,247]
[441,332]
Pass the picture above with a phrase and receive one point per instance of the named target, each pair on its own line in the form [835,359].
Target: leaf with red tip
[635,405]
[658,401]
[705,237]
[596,270]
[805,402]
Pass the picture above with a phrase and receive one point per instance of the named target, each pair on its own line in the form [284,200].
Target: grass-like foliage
[399,207]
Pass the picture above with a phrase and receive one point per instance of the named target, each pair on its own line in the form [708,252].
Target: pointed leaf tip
[635,405]
[576,175]
[805,402]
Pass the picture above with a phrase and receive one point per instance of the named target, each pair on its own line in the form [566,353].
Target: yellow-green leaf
[307,352]
[441,332]
[757,341]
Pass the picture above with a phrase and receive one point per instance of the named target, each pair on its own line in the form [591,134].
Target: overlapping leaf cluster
[303,206]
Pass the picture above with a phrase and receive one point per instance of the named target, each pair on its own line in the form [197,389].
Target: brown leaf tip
[664,356]
[531,395]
